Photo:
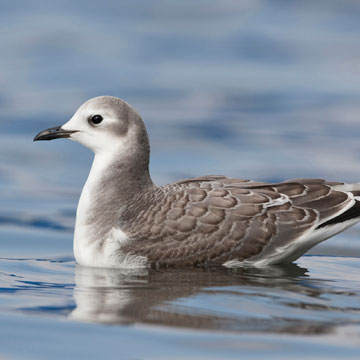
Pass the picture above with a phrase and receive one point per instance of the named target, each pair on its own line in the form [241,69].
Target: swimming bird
[124,220]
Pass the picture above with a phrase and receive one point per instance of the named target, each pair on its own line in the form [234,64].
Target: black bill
[53,133]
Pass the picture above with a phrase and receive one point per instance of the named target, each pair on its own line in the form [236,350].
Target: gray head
[107,125]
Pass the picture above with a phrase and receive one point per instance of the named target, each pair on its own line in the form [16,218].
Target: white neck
[84,234]
[98,239]
[97,171]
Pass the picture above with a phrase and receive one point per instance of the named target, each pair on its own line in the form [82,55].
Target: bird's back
[214,219]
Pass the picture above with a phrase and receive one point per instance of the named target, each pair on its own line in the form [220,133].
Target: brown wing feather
[215,219]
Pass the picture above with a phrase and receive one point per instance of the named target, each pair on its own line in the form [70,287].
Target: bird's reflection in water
[240,299]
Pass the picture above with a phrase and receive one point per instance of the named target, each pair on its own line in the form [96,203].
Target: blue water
[266,90]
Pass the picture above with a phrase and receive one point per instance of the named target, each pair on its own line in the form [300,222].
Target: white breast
[107,250]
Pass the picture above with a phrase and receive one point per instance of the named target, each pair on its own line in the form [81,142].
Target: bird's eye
[96,119]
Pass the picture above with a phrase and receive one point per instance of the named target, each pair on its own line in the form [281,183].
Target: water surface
[58,308]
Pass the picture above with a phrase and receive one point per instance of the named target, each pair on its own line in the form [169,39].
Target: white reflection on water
[322,301]
[285,300]
[279,299]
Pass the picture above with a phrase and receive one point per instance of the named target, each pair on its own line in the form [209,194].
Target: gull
[124,220]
